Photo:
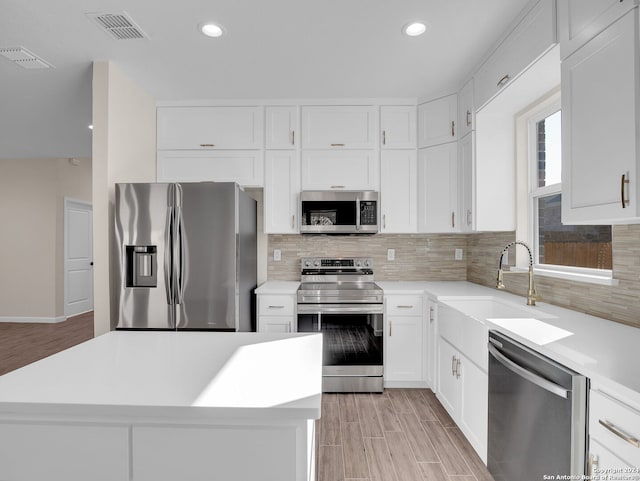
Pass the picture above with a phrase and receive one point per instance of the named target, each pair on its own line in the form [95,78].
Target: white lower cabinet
[404,341]
[430,360]
[276,313]
[601,460]
[462,379]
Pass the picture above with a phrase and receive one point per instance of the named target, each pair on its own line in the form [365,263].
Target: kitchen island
[138,406]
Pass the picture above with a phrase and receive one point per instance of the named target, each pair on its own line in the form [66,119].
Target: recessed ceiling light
[414,29]
[211,30]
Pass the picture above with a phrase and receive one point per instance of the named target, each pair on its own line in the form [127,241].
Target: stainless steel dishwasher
[537,414]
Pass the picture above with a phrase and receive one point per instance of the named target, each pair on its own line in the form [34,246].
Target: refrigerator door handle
[168,256]
[181,258]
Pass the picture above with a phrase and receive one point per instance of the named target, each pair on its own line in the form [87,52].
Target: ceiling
[272,49]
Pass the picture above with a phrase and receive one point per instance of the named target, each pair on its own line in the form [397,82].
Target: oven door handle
[357,309]
[528,375]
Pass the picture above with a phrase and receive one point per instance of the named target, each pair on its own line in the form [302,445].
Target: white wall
[124,150]
[32,193]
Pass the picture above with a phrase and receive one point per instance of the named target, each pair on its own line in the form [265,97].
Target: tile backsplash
[418,257]
[619,303]
[431,257]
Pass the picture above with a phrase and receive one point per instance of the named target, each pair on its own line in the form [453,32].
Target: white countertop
[173,375]
[278,287]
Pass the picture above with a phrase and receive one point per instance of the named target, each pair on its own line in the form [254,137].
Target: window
[582,249]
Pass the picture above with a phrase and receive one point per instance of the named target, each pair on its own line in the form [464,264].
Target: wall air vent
[22,57]
[118,25]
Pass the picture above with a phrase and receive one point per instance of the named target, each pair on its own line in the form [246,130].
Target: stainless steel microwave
[339,212]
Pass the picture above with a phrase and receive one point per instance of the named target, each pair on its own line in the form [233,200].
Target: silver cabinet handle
[384,221]
[453,219]
[276,307]
[621,434]
[453,129]
[384,137]
[431,312]
[468,216]
[453,365]
[293,137]
[337,145]
[293,221]
[404,307]
[528,375]
[337,186]
[390,327]
[207,145]
[458,368]
[503,80]
[623,181]
[468,118]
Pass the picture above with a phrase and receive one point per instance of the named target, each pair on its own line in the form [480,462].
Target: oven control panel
[339,263]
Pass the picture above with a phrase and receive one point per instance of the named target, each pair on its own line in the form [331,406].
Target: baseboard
[406,384]
[41,320]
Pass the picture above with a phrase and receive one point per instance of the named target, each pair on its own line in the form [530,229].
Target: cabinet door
[275,324]
[601,460]
[474,405]
[346,170]
[398,127]
[466,110]
[398,191]
[339,127]
[431,361]
[448,385]
[198,128]
[244,167]
[466,175]
[580,20]
[404,361]
[281,187]
[281,127]
[530,39]
[438,190]
[437,121]
[600,127]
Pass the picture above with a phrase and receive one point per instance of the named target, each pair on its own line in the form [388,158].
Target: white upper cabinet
[530,39]
[340,170]
[245,167]
[339,127]
[398,191]
[398,127]
[281,187]
[600,125]
[437,121]
[581,20]
[281,126]
[466,110]
[204,128]
[438,189]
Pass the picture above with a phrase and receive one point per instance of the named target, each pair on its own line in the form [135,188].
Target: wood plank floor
[400,435]
[23,343]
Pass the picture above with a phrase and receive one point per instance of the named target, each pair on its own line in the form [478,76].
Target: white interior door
[78,257]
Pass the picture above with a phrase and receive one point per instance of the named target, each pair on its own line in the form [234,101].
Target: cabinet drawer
[275,306]
[622,436]
[404,305]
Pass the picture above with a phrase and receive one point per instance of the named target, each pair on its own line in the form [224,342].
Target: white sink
[483,309]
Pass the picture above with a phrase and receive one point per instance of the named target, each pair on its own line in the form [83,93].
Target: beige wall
[32,193]
[124,150]
[618,303]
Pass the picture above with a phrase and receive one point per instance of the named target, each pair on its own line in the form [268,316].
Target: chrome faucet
[531,293]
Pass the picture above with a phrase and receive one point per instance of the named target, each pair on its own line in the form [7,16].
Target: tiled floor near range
[400,435]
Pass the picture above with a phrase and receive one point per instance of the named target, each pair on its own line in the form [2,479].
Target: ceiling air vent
[22,57]
[118,25]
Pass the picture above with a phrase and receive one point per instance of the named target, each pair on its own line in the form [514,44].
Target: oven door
[352,344]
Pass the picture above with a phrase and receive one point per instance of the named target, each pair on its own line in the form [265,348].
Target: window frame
[529,119]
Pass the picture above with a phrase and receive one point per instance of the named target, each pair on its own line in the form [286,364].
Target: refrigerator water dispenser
[141,266]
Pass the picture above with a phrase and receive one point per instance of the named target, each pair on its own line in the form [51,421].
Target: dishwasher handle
[528,375]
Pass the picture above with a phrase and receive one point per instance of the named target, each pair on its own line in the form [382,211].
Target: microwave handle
[357,212]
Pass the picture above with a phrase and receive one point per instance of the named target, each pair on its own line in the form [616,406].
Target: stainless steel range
[339,298]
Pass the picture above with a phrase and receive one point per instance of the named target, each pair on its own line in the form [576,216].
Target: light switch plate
[459,254]
[391,254]
[277,255]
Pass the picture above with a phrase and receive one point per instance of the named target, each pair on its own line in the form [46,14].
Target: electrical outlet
[277,255]
[391,254]
[459,254]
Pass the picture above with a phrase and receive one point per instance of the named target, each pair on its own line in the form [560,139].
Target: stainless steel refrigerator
[186,257]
